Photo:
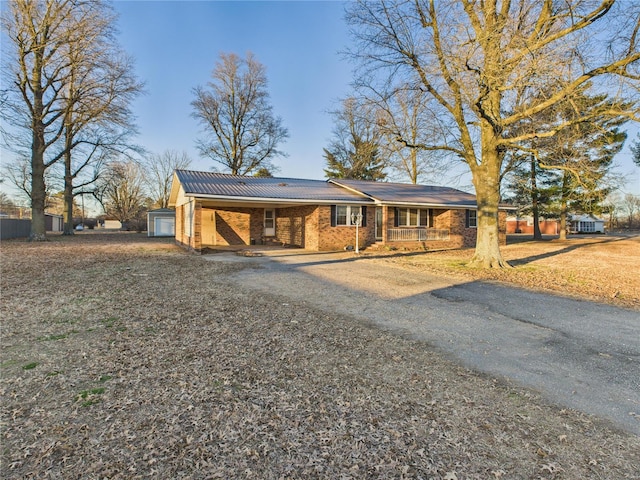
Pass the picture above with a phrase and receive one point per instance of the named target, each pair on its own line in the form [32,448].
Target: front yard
[124,357]
[602,268]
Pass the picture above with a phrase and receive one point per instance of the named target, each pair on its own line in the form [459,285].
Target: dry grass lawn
[600,268]
[123,357]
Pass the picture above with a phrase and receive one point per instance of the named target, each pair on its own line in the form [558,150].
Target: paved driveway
[577,354]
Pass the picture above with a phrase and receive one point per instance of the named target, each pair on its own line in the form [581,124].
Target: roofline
[430,205]
[437,205]
[275,200]
[248,176]
[336,201]
[346,187]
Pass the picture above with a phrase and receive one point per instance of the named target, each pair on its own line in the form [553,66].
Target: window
[342,215]
[269,223]
[412,217]
[587,227]
[472,219]
[424,217]
[403,218]
[269,219]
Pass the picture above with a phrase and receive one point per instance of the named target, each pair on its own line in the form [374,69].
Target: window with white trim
[343,214]
[412,217]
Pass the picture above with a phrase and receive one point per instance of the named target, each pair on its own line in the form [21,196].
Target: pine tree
[635,151]
[568,173]
[354,152]
[361,162]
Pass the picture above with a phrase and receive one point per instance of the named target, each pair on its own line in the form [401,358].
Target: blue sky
[176,45]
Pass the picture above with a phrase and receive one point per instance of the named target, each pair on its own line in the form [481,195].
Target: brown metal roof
[221,185]
[409,194]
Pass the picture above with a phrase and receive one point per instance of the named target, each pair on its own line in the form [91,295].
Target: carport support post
[357,220]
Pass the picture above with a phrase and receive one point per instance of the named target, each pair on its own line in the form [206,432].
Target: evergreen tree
[263,172]
[533,191]
[635,151]
[360,162]
[354,152]
[568,172]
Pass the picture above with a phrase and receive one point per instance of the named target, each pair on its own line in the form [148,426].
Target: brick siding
[193,241]
[310,227]
[295,227]
[339,237]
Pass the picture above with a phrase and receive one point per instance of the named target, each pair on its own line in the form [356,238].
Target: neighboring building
[525,225]
[53,223]
[214,209]
[112,224]
[585,224]
[161,222]
[21,227]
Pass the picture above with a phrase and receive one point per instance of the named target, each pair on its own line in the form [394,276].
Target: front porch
[423,234]
[430,228]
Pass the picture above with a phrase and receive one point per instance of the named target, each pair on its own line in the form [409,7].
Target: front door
[269,223]
[378,224]
[208,226]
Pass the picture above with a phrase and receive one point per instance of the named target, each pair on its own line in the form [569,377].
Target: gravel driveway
[578,354]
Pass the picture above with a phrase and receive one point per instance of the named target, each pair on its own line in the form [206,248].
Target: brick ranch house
[215,209]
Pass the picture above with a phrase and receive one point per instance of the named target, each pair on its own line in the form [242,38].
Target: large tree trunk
[38,188]
[413,153]
[38,227]
[68,179]
[486,179]
[67,214]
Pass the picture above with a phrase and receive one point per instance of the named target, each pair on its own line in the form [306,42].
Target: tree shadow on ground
[569,248]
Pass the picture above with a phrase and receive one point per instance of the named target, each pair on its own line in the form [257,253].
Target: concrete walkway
[577,354]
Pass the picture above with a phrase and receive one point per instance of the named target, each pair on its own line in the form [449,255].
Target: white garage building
[161,222]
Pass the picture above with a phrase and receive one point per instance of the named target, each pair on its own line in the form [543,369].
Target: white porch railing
[417,234]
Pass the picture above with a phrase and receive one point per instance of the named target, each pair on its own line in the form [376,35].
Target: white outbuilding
[161,222]
[586,224]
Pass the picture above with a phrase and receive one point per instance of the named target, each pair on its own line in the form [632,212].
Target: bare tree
[98,90]
[69,96]
[354,151]
[159,172]
[242,134]
[630,206]
[37,32]
[19,174]
[405,124]
[121,191]
[481,64]
[8,206]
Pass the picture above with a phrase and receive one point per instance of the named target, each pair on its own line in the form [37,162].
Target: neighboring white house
[112,224]
[161,222]
[586,224]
